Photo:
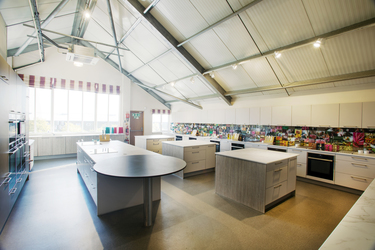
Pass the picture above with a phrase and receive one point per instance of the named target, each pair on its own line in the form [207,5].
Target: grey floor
[55,211]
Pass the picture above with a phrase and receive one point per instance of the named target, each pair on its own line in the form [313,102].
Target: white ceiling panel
[183,15]
[275,92]
[197,55]
[326,16]
[231,79]
[303,63]
[176,64]
[367,80]
[208,45]
[148,76]
[7,5]
[96,33]
[163,71]
[261,73]
[198,88]
[281,22]
[236,38]
[16,15]
[172,91]
[278,70]
[212,10]
[350,52]
[130,62]
[312,87]
[185,89]
[17,35]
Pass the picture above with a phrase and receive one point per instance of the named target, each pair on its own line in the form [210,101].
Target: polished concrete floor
[55,211]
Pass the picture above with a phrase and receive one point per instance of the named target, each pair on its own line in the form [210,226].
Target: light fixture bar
[114,33]
[44,24]
[75,37]
[135,24]
[221,21]
[152,5]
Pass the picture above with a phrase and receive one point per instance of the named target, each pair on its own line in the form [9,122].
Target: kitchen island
[152,142]
[257,178]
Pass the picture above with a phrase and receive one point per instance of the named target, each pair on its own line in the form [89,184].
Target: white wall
[3,38]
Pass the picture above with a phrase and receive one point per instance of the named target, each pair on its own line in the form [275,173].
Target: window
[160,123]
[71,111]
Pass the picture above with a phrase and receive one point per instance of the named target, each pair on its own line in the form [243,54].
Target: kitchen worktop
[154,136]
[257,155]
[356,229]
[189,143]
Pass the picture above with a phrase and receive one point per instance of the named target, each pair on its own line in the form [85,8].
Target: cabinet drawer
[276,176]
[302,155]
[356,168]
[195,155]
[301,169]
[352,158]
[276,192]
[352,181]
[277,165]
[151,143]
[193,166]
[170,139]
[193,148]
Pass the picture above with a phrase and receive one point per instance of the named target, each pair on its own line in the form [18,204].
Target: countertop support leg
[147,201]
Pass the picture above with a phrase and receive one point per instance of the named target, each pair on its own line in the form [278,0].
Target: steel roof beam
[43,25]
[78,18]
[35,14]
[114,33]
[152,5]
[221,21]
[83,27]
[34,46]
[310,41]
[183,52]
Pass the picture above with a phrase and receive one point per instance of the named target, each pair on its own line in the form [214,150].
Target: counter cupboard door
[265,116]
[281,115]
[242,116]
[325,115]
[255,116]
[301,115]
[350,115]
[368,117]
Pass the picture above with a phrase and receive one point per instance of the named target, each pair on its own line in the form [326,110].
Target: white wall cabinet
[325,115]
[368,117]
[281,115]
[301,115]
[265,116]
[243,116]
[255,116]
[210,116]
[219,117]
[230,116]
[350,115]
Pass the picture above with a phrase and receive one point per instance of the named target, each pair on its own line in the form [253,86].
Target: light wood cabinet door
[58,145]
[265,115]
[281,115]
[325,115]
[368,117]
[243,116]
[44,146]
[210,156]
[350,115]
[255,116]
[301,115]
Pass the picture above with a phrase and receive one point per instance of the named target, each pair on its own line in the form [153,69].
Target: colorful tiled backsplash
[330,139]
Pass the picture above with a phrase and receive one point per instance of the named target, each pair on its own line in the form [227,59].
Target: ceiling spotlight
[277,54]
[172,84]
[212,75]
[192,80]
[87,14]
[234,66]
[78,64]
[318,43]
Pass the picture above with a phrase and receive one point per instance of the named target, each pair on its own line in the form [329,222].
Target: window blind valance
[161,111]
[51,82]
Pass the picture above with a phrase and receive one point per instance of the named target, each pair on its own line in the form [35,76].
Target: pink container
[120,130]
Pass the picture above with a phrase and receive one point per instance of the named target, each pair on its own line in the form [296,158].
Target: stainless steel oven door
[321,166]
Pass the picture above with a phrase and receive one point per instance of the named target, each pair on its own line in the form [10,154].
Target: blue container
[107,130]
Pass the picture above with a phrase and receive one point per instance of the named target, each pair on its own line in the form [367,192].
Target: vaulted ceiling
[195,51]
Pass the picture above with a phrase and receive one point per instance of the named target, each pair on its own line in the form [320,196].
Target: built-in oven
[178,137]
[277,149]
[192,138]
[236,146]
[217,144]
[320,165]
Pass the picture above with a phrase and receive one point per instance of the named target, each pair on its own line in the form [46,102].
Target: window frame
[160,123]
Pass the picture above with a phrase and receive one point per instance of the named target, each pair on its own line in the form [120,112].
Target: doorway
[136,125]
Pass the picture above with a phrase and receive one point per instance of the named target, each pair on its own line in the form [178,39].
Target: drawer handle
[19,180]
[359,159]
[195,147]
[195,152]
[359,165]
[278,163]
[6,181]
[299,164]
[278,170]
[359,179]
[195,162]
[277,186]
[12,191]
[155,143]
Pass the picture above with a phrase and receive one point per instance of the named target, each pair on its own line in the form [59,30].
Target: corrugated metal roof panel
[95,32]
[238,4]
[261,73]
[281,22]
[303,63]
[197,55]
[148,76]
[175,65]
[231,79]
[278,70]
[331,15]
[212,10]
[163,71]
[350,52]
[198,88]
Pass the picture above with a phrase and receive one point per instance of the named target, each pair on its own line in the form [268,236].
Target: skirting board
[49,157]
[333,186]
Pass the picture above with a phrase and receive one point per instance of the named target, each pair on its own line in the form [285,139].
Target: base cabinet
[152,143]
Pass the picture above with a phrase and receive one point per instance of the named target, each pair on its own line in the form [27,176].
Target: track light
[234,66]
[212,74]
[172,84]
[192,80]
[277,54]
[318,43]
[86,13]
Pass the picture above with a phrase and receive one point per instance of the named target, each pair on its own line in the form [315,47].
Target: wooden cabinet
[368,117]
[281,115]
[325,115]
[350,115]
[152,142]
[265,116]
[256,145]
[255,116]
[354,171]
[230,116]
[301,161]
[243,116]
[44,146]
[301,115]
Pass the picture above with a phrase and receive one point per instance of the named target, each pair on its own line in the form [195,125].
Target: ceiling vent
[81,54]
